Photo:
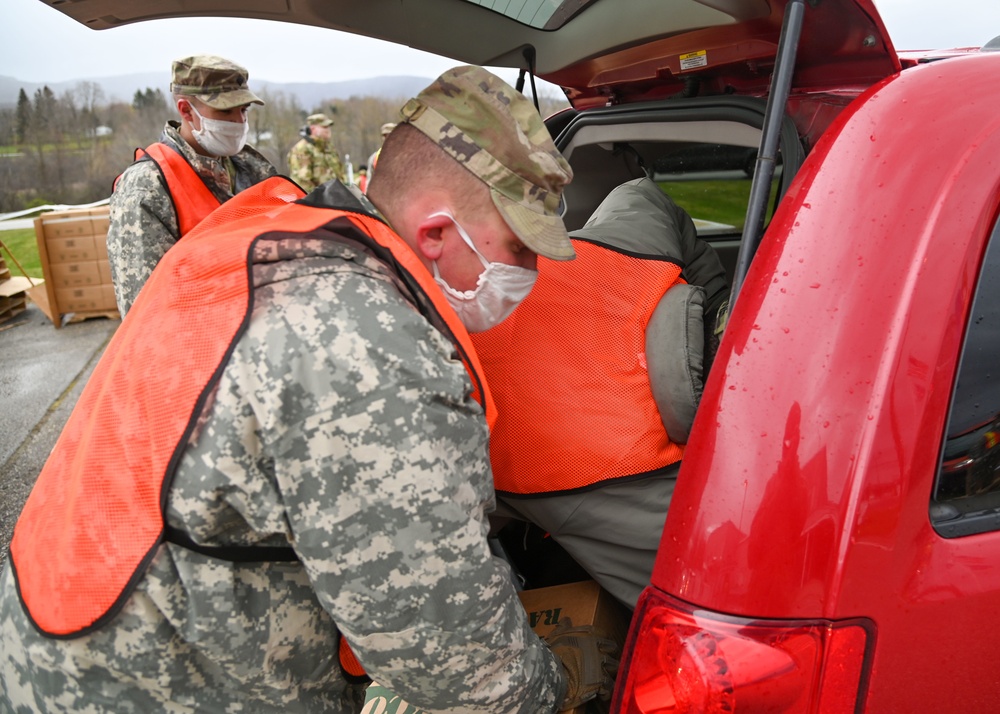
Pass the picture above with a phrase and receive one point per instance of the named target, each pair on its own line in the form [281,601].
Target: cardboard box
[68,224]
[108,293]
[104,268]
[70,250]
[93,298]
[101,246]
[99,219]
[584,603]
[71,275]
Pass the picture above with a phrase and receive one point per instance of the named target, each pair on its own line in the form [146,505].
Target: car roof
[600,51]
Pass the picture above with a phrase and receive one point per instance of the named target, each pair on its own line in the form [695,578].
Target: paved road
[42,372]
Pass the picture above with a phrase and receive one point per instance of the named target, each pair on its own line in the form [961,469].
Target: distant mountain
[312,94]
[121,88]
[309,94]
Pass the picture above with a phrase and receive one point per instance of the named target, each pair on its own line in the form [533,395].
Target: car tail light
[680,660]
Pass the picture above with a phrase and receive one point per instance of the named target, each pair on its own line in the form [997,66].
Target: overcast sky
[39,44]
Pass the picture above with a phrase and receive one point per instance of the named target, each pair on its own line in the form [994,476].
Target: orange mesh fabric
[568,372]
[94,515]
[192,198]
[259,202]
[348,661]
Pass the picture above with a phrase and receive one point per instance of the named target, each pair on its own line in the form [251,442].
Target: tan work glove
[589,660]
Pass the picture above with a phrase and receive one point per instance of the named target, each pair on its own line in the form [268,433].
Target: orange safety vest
[95,517]
[191,198]
[568,372]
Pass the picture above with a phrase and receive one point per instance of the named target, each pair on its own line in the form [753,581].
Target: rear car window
[702,152]
[967,490]
[542,14]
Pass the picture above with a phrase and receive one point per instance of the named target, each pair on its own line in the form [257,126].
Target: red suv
[832,544]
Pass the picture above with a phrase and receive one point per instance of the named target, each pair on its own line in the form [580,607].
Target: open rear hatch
[599,51]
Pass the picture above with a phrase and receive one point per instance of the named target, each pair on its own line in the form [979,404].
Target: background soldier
[314,160]
[198,163]
[373,159]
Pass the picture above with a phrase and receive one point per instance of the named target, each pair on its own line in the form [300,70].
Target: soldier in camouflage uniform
[343,427]
[373,159]
[143,212]
[314,160]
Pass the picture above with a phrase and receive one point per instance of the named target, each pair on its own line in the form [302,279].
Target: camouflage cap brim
[543,233]
[228,100]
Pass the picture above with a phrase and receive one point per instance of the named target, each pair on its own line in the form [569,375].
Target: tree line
[68,149]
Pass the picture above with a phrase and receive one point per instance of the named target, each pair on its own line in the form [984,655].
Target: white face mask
[499,290]
[221,138]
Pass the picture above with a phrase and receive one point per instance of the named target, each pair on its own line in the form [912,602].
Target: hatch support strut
[760,187]
[529,58]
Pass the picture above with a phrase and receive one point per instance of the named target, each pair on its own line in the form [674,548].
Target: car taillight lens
[680,660]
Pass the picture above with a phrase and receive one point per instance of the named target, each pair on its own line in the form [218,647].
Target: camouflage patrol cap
[319,120]
[497,134]
[215,81]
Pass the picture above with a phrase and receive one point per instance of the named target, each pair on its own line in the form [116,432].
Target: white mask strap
[464,235]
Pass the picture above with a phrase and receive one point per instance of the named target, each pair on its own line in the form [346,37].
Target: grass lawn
[719,201]
[21,243]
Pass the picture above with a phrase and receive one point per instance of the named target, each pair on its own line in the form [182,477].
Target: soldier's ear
[185,110]
[429,235]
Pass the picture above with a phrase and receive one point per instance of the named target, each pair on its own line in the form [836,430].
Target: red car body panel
[804,490]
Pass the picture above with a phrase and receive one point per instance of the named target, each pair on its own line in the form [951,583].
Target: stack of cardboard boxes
[72,246]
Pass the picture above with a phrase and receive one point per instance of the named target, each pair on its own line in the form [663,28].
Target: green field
[21,243]
[720,201]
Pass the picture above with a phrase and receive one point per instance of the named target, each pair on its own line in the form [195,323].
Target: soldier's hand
[589,660]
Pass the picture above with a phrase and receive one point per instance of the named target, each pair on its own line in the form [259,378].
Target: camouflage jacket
[143,221]
[342,424]
[312,162]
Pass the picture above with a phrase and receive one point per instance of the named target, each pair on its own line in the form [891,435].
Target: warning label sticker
[693,60]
